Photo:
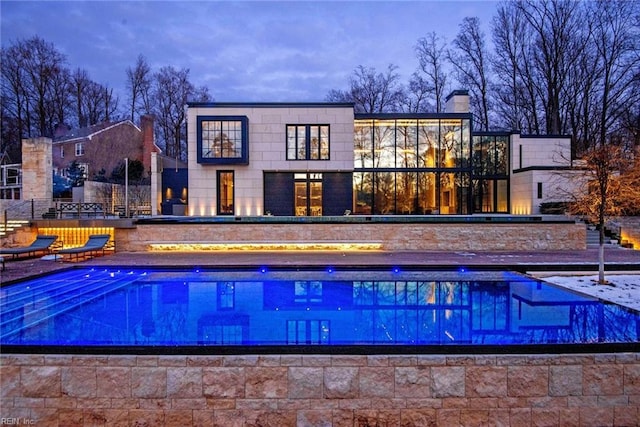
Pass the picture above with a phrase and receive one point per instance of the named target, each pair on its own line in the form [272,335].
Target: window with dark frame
[223,139]
[307,142]
[225,192]
[539,190]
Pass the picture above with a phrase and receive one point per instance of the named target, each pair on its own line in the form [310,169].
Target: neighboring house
[322,159]
[104,146]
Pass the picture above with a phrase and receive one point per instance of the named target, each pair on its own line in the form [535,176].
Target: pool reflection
[160,308]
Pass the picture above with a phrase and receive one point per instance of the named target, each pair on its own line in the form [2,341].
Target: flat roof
[270,104]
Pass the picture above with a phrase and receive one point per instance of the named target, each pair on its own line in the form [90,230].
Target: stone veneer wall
[318,390]
[394,237]
[37,169]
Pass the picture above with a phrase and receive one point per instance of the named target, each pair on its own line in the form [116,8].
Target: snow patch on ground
[623,289]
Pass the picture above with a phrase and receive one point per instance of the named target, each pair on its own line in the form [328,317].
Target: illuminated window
[307,142]
[490,173]
[225,193]
[223,139]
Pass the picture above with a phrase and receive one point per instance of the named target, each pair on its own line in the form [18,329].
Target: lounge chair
[42,244]
[94,246]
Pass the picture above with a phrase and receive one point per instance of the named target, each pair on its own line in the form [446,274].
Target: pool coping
[366,350]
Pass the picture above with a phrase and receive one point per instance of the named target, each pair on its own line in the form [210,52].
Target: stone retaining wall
[393,236]
[316,390]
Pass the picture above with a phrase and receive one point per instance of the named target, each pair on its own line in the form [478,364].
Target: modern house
[322,159]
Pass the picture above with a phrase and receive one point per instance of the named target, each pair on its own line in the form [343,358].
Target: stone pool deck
[615,257]
[325,390]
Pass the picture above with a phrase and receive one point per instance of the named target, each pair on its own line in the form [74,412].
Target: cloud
[242,51]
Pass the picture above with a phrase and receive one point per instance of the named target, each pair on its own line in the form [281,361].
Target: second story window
[62,152]
[223,139]
[79,149]
[307,142]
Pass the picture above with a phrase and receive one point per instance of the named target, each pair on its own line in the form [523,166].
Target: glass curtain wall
[412,166]
[490,179]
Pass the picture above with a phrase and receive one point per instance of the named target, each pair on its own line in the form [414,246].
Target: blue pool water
[168,307]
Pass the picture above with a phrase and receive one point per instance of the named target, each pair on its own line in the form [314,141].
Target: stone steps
[11,226]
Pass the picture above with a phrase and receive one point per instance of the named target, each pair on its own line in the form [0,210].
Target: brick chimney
[148,141]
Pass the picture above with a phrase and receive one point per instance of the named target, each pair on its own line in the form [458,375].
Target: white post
[126,187]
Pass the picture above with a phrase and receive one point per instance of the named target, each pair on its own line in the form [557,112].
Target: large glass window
[501,148]
[363,144]
[223,139]
[384,144]
[384,187]
[307,142]
[406,193]
[407,144]
[428,141]
[363,193]
[427,202]
[490,173]
[412,165]
[450,144]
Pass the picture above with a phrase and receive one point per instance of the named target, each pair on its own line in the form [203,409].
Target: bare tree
[171,92]
[431,53]
[558,36]
[32,72]
[372,92]
[470,60]
[509,40]
[98,103]
[417,96]
[110,104]
[61,105]
[42,63]
[617,44]
[138,83]
[80,85]
[15,119]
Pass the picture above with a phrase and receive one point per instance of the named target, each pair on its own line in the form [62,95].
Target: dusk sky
[242,51]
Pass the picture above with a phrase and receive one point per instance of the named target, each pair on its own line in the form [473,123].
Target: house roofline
[91,135]
[270,104]
[390,116]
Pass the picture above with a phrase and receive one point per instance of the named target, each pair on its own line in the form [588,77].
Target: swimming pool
[209,311]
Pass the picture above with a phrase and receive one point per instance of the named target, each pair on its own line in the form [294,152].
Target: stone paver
[552,260]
